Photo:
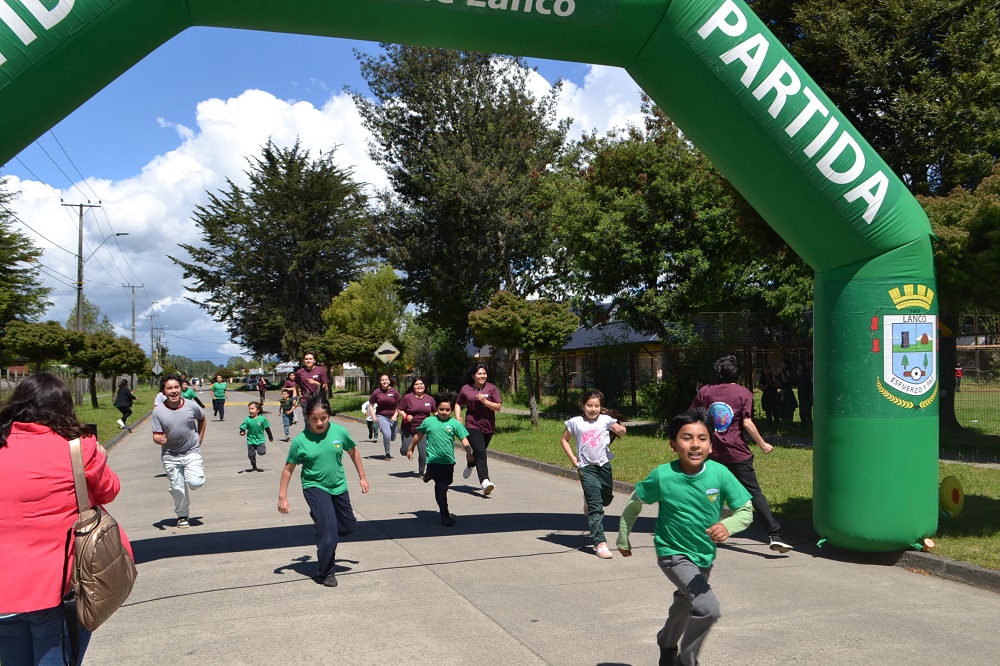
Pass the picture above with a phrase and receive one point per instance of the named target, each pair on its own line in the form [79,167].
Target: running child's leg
[324,515]
[694,611]
[592,482]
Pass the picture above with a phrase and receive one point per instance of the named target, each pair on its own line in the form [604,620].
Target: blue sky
[174,127]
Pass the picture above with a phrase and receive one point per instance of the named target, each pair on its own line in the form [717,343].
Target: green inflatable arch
[735,92]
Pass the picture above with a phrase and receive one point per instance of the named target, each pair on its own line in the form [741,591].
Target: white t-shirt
[593,439]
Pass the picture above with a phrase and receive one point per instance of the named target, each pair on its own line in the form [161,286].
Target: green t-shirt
[441,436]
[189,394]
[219,390]
[321,457]
[255,428]
[689,505]
[287,404]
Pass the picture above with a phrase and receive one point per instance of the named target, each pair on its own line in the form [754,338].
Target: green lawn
[786,477]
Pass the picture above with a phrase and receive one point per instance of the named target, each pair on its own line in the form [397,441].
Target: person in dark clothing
[123,401]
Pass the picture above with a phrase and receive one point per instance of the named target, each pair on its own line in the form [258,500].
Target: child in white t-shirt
[372,426]
[592,433]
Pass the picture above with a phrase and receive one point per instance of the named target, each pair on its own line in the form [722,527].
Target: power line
[36,232]
[65,175]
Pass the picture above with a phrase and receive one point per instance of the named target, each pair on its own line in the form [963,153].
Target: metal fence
[977,395]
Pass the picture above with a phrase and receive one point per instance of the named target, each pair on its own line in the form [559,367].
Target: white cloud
[155,205]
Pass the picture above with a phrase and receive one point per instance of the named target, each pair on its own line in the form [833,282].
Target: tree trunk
[529,385]
[947,357]
[93,390]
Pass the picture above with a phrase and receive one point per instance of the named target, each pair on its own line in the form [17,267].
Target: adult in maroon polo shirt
[415,406]
[382,406]
[310,378]
[481,401]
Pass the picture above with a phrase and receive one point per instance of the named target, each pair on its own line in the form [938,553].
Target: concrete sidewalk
[515,582]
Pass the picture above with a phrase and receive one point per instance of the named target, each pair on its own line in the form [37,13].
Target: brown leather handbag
[103,572]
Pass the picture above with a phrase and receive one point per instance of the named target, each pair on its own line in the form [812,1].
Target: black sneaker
[425,476]
[448,521]
[330,580]
[668,656]
[778,545]
[183,522]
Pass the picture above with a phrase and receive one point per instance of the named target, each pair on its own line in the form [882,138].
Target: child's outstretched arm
[467,448]
[270,437]
[568,448]
[629,514]
[360,466]
[286,475]
[413,445]
[617,429]
[739,521]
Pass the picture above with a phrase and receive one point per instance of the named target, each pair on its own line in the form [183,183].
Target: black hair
[42,398]
[167,378]
[693,415]
[470,374]
[445,396]
[592,393]
[415,380]
[317,401]
[727,369]
[123,383]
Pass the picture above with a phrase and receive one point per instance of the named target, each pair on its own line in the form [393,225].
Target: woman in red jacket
[37,510]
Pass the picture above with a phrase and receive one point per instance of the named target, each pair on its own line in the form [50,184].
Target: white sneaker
[488,487]
[467,472]
[121,424]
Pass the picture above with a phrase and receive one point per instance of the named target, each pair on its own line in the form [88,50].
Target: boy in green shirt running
[441,431]
[690,492]
[254,427]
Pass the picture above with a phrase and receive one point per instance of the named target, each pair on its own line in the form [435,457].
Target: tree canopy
[41,344]
[463,142]
[21,294]
[94,321]
[108,354]
[275,253]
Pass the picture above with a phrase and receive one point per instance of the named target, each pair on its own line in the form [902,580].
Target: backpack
[103,572]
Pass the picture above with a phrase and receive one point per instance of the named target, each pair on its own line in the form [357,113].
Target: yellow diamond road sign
[386,352]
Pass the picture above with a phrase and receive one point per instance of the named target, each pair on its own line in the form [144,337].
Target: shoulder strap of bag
[79,477]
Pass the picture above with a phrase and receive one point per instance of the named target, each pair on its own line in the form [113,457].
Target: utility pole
[152,342]
[78,384]
[133,288]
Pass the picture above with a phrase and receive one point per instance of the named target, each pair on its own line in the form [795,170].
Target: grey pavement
[515,582]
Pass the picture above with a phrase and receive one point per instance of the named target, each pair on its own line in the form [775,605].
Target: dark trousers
[598,491]
[219,407]
[744,473]
[334,518]
[442,475]
[126,412]
[480,441]
[694,611]
[254,451]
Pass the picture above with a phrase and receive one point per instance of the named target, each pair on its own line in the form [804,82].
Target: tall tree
[41,344]
[276,252]
[94,321]
[108,354]
[363,316]
[532,326]
[643,218]
[21,294]
[919,78]
[463,142]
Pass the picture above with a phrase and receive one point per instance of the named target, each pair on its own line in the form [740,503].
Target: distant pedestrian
[959,371]
[255,426]
[689,492]
[287,408]
[370,420]
[413,408]
[320,449]
[382,405]
[769,398]
[804,383]
[591,435]
[262,390]
[731,407]
[293,390]
[219,390]
[787,403]
[482,402]
[124,400]
[436,435]
[179,429]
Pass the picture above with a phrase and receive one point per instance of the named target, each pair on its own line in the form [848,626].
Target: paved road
[515,582]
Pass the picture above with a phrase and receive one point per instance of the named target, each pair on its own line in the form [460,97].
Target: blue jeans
[286,421]
[35,639]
